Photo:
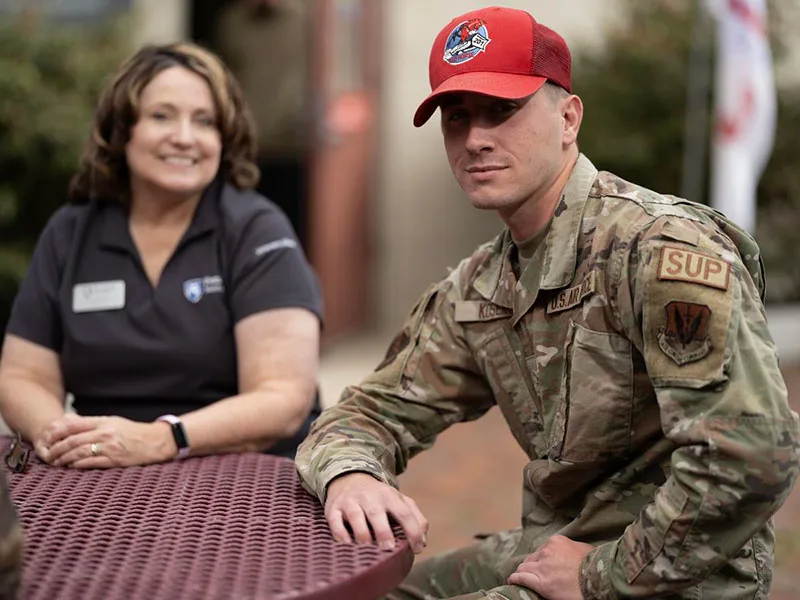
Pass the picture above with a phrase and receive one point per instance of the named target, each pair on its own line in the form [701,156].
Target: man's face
[503,152]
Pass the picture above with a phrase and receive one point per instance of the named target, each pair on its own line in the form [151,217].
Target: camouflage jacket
[633,364]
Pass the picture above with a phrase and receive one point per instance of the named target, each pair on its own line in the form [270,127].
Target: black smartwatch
[179,433]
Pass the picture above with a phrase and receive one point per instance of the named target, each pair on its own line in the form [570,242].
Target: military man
[622,335]
[11,544]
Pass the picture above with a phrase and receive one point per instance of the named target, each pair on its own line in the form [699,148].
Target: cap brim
[501,85]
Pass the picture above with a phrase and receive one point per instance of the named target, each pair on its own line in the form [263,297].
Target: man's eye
[456,115]
[504,107]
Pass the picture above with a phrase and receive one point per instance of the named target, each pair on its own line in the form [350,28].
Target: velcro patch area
[680,264]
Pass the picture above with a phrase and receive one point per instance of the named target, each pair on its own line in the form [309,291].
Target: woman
[165,287]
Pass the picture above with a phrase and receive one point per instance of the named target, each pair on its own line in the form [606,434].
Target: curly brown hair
[103,172]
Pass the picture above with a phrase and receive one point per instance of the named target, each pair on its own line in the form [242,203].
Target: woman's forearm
[28,407]
[251,421]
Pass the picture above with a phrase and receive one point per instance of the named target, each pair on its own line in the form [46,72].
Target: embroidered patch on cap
[466,41]
[679,264]
[685,337]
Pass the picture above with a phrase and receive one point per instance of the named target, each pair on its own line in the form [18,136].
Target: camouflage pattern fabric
[634,366]
[11,545]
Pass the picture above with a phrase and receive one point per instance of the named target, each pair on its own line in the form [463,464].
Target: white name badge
[98,295]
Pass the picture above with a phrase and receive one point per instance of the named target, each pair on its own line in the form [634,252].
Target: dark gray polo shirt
[131,350]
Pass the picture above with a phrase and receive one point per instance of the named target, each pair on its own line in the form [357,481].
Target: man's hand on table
[363,501]
[117,442]
[552,571]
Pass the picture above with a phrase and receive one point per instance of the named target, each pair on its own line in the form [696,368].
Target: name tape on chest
[98,295]
[680,264]
[571,297]
[468,312]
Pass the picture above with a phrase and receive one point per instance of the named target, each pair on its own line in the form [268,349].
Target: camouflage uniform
[633,364]
[11,545]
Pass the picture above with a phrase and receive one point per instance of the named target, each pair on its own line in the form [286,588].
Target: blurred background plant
[51,74]
[635,86]
[634,83]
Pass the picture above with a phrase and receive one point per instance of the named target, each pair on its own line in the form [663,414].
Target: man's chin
[482,202]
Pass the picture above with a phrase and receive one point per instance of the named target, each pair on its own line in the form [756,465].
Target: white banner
[745,107]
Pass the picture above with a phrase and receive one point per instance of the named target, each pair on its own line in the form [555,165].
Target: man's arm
[427,381]
[723,403]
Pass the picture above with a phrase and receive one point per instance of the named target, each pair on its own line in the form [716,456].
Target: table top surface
[236,526]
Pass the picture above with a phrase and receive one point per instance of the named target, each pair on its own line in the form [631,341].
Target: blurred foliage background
[51,74]
[635,88]
[634,84]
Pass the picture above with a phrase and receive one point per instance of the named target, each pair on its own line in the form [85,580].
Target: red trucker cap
[496,51]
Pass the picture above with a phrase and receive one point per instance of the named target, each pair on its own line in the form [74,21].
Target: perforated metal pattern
[233,527]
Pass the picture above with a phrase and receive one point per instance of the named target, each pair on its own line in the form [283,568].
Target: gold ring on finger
[95,448]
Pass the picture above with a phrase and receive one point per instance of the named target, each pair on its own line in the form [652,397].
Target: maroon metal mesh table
[237,526]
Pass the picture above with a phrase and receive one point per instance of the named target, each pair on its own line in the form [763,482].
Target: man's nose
[479,138]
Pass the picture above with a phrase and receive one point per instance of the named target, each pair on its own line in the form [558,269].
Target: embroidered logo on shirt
[573,296]
[685,337]
[679,264]
[276,245]
[195,289]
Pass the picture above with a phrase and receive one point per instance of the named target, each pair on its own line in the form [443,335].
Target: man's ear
[571,118]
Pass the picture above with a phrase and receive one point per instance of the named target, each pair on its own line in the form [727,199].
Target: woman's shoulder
[62,223]
[244,209]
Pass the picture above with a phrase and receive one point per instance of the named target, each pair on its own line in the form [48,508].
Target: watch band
[179,433]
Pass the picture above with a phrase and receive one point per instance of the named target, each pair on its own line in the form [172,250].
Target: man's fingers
[338,529]
[354,515]
[528,580]
[380,526]
[423,522]
[416,532]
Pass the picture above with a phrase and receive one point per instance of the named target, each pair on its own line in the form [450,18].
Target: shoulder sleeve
[427,381]
[695,313]
[35,315]
[269,269]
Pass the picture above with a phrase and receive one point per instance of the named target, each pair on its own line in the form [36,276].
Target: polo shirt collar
[115,232]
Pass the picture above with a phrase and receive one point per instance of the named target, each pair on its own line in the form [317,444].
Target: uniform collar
[115,232]
[554,262]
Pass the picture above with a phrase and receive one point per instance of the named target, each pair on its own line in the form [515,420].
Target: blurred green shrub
[634,88]
[51,75]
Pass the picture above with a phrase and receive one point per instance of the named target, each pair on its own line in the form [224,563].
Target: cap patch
[466,41]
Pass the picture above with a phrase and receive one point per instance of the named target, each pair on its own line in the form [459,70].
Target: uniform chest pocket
[593,421]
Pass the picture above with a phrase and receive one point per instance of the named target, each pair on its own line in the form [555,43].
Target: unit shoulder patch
[685,336]
[681,264]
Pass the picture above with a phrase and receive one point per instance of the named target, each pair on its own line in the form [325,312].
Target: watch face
[179,433]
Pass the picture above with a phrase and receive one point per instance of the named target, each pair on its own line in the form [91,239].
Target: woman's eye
[205,121]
